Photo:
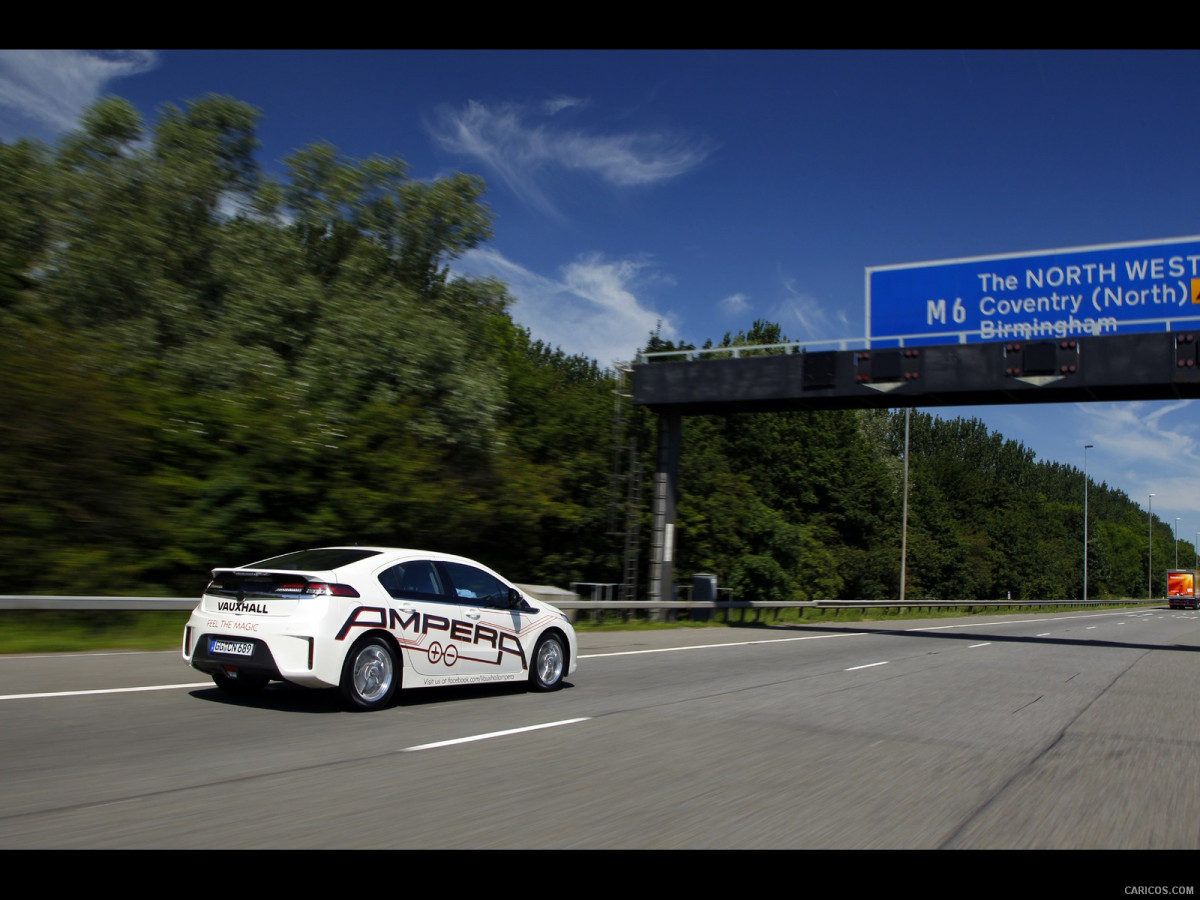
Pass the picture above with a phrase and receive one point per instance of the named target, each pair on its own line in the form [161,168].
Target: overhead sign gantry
[1115,322]
[1161,366]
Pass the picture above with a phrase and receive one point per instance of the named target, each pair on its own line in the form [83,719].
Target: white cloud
[1141,448]
[736,304]
[801,316]
[626,159]
[558,104]
[592,310]
[509,140]
[44,91]
[1155,447]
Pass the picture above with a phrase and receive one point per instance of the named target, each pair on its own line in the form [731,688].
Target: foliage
[202,365]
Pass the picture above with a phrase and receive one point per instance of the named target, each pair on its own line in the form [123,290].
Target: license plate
[237,648]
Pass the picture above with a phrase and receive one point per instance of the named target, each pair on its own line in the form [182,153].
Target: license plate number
[237,648]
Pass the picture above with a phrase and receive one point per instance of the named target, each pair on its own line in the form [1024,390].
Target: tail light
[283,589]
[314,589]
[322,589]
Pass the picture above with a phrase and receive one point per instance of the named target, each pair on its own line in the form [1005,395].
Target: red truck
[1181,589]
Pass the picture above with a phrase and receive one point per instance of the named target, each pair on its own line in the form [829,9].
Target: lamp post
[1150,559]
[1196,547]
[1177,542]
[1086,448]
[904,527]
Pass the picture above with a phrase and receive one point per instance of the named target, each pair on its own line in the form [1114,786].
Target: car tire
[242,686]
[549,664]
[370,675]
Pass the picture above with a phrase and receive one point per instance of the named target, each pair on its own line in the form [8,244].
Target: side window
[472,584]
[415,580]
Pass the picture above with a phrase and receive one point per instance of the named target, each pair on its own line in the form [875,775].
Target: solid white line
[807,637]
[810,637]
[65,653]
[156,687]
[167,687]
[984,644]
[484,737]
[867,666]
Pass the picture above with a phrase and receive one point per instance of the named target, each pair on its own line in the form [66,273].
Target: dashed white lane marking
[494,734]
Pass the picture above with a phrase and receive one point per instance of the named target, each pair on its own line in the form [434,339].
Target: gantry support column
[666,480]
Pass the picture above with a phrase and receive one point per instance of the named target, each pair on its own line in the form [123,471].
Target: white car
[370,620]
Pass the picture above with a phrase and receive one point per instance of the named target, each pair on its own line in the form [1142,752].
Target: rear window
[322,560]
[416,579]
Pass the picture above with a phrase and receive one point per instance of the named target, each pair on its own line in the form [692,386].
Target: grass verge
[73,631]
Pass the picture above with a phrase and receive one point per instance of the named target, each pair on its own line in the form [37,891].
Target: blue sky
[697,191]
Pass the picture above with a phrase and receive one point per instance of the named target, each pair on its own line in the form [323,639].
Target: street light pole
[1150,560]
[1177,542]
[904,527]
[1086,448]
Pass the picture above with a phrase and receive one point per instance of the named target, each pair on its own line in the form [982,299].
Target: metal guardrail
[37,601]
[706,608]
[735,352]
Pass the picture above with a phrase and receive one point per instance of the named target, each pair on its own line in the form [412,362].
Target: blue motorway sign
[1076,292]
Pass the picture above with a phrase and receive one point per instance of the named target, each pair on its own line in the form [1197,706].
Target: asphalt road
[1056,731]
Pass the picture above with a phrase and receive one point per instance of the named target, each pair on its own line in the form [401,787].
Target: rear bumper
[279,657]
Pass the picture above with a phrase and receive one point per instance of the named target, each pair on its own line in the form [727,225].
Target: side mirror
[515,600]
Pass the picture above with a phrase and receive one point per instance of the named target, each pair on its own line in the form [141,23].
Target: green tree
[24,222]
[75,516]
